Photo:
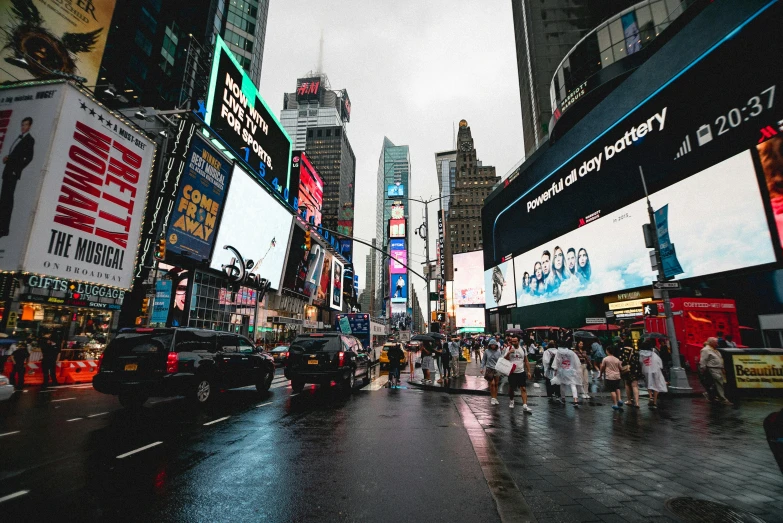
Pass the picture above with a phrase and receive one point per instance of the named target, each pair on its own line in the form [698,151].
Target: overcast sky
[413,70]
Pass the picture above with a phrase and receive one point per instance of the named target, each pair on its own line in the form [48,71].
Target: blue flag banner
[671,266]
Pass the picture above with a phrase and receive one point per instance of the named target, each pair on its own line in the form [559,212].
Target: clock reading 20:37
[752,108]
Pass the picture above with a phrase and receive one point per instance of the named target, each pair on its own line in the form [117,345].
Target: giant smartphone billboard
[697,139]
[265,243]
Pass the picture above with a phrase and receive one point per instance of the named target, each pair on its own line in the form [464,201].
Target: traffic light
[160,252]
[145,305]
[307,240]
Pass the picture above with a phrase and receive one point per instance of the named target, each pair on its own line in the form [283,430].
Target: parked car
[326,357]
[196,363]
[280,355]
[384,359]
[6,389]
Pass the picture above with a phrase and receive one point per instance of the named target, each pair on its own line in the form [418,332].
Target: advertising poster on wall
[399,260]
[499,285]
[397,228]
[469,278]
[470,317]
[266,245]
[309,199]
[296,267]
[315,263]
[758,371]
[399,288]
[238,113]
[583,263]
[93,171]
[197,208]
[397,245]
[771,157]
[68,36]
[395,191]
[162,302]
[336,294]
[324,286]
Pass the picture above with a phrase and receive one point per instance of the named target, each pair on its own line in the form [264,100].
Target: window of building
[319,134]
[143,42]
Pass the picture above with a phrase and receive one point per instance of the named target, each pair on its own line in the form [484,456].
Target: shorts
[598,360]
[613,385]
[516,380]
[491,374]
[427,363]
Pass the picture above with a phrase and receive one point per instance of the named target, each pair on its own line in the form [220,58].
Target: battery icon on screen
[704,134]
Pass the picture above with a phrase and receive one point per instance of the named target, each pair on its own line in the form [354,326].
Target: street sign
[610,314]
[668,285]
[595,321]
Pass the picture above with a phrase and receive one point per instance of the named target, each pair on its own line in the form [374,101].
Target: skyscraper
[544,33]
[314,104]
[158,56]
[473,184]
[446,167]
[393,181]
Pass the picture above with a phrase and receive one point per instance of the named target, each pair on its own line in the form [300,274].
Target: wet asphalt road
[377,455]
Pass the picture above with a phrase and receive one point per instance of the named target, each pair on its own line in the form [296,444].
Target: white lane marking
[74,419]
[279,384]
[145,447]
[9,433]
[377,384]
[96,415]
[63,399]
[216,420]
[262,405]
[294,394]
[14,495]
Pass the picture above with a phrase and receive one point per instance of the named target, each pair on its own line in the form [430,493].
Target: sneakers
[526,409]
[576,403]
[620,404]
[494,401]
[617,407]
[511,404]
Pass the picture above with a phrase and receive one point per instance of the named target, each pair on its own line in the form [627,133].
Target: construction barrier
[68,372]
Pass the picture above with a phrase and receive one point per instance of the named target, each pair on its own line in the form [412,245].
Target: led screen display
[468,278]
[709,238]
[324,287]
[336,300]
[397,245]
[499,285]
[397,228]
[398,262]
[266,245]
[399,288]
[470,317]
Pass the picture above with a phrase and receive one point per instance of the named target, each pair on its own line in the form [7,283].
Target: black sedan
[280,355]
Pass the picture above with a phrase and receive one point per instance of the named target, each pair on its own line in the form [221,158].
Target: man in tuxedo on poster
[18,157]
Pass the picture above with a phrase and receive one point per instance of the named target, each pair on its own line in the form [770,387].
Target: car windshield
[280,349]
[317,344]
[140,343]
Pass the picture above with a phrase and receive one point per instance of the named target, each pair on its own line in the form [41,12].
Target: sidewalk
[473,383]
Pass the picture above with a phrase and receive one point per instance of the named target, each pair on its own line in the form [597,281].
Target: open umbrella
[515,332]
[600,327]
[585,335]
[654,336]
[437,335]
[423,337]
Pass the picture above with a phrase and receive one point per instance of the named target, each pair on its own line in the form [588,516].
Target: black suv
[144,362]
[326,357]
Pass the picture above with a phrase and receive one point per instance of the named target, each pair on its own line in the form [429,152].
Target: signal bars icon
[685,148]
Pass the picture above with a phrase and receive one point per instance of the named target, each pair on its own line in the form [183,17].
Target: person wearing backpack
[395,355]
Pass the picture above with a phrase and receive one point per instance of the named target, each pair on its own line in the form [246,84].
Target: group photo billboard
[196,213]
[241,117]
[87,174]
[67,36]
[266,245]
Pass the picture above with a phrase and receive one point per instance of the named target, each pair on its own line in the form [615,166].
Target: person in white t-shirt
[518,379]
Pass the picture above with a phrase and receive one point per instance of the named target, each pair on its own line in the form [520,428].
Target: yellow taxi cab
[384,359]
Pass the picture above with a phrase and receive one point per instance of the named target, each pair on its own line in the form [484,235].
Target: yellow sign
[758,371]
[630,304]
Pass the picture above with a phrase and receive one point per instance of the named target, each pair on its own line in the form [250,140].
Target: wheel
[265,382]
[203,391]
[132,401]
[297,385]
[350,382]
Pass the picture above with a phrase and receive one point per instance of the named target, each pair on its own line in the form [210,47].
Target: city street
[378,455]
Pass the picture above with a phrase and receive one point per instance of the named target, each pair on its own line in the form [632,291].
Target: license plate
[131,366]
[312,362]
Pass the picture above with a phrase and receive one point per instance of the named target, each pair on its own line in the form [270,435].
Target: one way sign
[668,285]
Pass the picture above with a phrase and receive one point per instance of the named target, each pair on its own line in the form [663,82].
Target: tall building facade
[314,104]
[544,33]
[370,264]
[157,55]
[393,181]
[446,167]
[331,153]
[473,184]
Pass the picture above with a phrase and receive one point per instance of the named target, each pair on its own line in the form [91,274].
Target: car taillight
[341,359]
[100,360]
[172,363]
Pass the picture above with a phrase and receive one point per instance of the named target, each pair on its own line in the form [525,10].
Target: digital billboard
[266,245]
[196,212]
[469,278]
[395,191]
[238,114]
[315,263]
[322,296]
[345,107]
[499,285]
[63,36]
[470,317]
[311,187]
[398,263]
[397,245]
[295,271]
[336,294]
[399,288]
[308,89]
[397,211]
[583,263]
[74,186]
[397,228]
[710,164]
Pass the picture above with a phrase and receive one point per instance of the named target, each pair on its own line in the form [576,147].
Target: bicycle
[394,377]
